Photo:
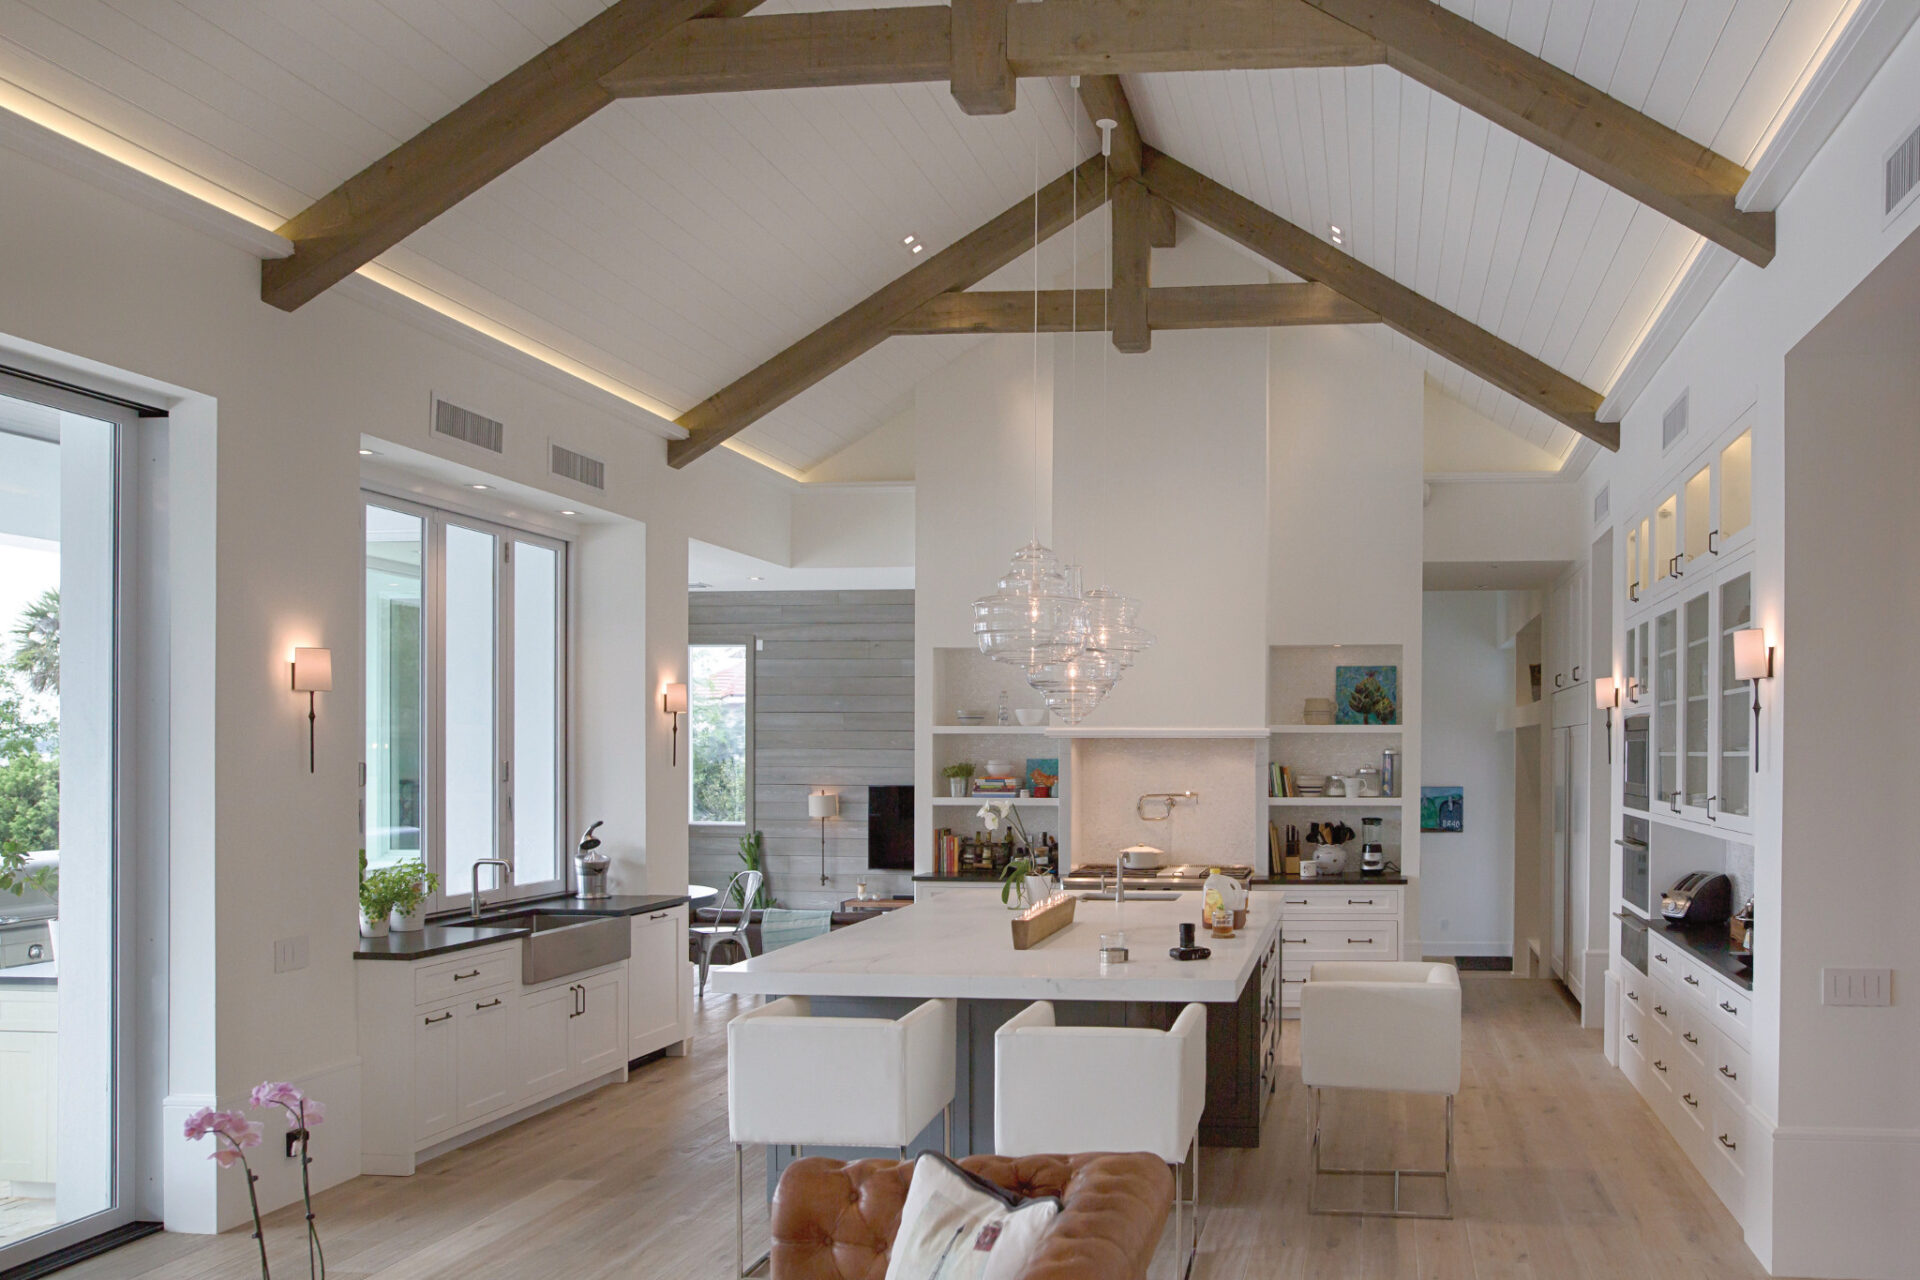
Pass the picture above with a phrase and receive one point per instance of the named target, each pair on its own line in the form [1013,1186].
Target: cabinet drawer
[1730,1066]
[1662,1006]
[1695,979]
[1697,1036]
[1346,900]
[1633,1028]
[1663,958]
[1728,1131]
[468,971]
[1732,1011]
[1693,1099]
[1363,939]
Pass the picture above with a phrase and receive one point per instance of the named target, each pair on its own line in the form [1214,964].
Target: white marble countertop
[961,946]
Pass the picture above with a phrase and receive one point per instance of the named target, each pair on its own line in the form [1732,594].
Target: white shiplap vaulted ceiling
[673,244]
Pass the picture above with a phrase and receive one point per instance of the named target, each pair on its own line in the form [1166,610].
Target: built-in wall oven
[1636,758]
[1636,872]
[1633,939]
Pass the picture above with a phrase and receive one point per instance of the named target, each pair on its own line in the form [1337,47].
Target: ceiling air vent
[578,467]
[465,424]
[1602,501]
[1903,172]
[1674,425]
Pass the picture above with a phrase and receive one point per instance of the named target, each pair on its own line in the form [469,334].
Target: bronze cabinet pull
[1731,1075]
[462,977]
[1728,1143]
[440,1018]
[493,1003]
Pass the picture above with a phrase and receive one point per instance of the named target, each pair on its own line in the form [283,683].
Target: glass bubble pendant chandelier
[1073,644]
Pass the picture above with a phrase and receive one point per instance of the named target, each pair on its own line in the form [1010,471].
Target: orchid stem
[259,1232]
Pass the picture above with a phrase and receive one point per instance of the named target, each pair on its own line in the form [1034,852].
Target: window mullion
[434,659]
[503,702]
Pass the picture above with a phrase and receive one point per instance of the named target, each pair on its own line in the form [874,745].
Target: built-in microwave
[1636,756]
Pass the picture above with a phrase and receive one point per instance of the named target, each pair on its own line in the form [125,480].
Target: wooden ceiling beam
[1230,306]
[1426,322]
[464,150]
[1053,38]
[983,82]
[1104,98]
[1565,116]
[868,323]
[1132,268]
[1161,232]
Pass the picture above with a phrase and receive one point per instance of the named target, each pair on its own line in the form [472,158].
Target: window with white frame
[718,683]
[466,643]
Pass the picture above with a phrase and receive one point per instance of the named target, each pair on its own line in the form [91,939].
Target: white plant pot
[372,928]
[411,922]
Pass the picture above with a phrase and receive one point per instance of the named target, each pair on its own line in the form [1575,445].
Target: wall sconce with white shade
[823,805]
[1606,696]
[1753,660]
[312,673]
[673,702]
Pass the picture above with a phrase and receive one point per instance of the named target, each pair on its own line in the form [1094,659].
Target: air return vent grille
[465,424]
[1674,425]
[579,468]
[1602,503]
[1903,171]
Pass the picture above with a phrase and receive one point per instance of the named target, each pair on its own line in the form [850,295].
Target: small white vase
[409,922]
[372,928]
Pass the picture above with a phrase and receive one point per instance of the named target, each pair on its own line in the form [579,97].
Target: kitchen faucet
[1120,879]
[506,878]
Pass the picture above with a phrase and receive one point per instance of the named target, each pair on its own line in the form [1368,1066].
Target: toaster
[1703,897]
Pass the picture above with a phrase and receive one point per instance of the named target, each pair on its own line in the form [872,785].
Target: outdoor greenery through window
[717,715]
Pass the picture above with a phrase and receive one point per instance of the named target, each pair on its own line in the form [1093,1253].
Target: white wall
[1466,879]
[264,452]
[1816,1177]
[1493,522]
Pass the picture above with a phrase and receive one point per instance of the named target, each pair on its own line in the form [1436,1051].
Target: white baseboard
[1840,1201]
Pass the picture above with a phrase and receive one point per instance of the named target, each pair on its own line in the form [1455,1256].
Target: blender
[1373,853]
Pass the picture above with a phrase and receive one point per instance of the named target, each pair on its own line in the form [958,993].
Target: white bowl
[1031,716]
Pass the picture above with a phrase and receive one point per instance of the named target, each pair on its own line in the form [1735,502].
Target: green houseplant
[412,882]
[377,896]
[957,776]
[753,852]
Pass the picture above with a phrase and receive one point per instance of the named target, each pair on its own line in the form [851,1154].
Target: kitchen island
[960,947]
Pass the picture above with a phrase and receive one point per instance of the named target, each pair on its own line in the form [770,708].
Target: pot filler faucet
[506,878]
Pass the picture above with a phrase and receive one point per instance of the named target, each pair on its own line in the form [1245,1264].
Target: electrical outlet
[1868,987]
[290,954]
[293,1142]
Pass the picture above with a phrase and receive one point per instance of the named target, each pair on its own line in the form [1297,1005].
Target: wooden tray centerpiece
[1042,920]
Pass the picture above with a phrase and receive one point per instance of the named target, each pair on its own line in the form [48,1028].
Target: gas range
[1183,876]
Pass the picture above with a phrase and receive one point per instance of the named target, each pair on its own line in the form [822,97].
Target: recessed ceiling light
[569,513]
[755,577]
[908,240]
[917,248]
[479,486]
[366,453]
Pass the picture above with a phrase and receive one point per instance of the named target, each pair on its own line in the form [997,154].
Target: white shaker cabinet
[658,981]
[546,1019]
[597,1039]
[436,1060]
[485,1068]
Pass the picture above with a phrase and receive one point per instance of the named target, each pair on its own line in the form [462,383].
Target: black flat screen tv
[890,828]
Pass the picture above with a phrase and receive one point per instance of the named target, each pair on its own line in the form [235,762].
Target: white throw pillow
[955,1226]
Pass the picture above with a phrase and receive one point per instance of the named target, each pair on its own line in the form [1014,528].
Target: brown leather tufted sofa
[835,1221]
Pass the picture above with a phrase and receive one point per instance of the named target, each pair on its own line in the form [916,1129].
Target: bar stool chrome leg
[740,1266]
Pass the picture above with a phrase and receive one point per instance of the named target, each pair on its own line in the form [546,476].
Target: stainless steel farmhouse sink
[560,944]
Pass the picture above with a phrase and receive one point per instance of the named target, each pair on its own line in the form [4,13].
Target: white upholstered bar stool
[1390,1026]
[797,1080]
[1135,1089]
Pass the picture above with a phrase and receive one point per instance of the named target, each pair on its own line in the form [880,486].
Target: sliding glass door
[63,1143]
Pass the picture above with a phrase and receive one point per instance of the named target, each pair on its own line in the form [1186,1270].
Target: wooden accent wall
[832,707]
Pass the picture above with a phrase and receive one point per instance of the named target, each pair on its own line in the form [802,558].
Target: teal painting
[1366,695]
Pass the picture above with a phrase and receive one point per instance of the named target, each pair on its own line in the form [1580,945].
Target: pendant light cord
[1033,502]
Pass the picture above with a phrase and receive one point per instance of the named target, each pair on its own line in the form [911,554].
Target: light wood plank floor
[1564,1175]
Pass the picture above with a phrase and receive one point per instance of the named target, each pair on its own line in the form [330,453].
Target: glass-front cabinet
[1702,723]
[1696,719]
[1666,710]
[1733,496]
[1733,758]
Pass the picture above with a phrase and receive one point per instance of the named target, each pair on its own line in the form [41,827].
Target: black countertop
[455,933]
[1710,944]
[1347,879]
[933,879]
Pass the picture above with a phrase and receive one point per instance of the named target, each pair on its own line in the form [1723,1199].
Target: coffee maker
[590,867]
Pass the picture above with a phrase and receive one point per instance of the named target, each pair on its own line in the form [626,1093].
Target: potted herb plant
[957,776]
[378,894]
[412,882]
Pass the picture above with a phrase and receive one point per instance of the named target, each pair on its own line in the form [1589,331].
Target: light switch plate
[1868,987]
[290,954]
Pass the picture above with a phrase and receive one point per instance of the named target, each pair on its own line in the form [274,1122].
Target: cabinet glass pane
[1694,716]
[1632,657]
[1736,486]
[1664,536]
[536,713]
[1666,703]
[1699,513]
[467,723]
[1639,689]
[1633,566]
[1736,725]
[1645,576]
